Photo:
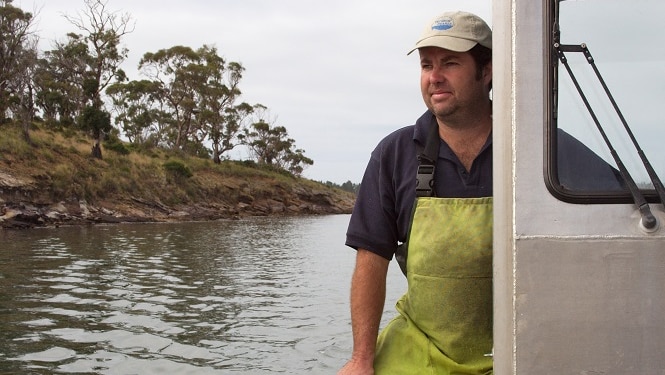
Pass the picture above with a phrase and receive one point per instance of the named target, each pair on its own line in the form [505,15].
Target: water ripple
[258,296]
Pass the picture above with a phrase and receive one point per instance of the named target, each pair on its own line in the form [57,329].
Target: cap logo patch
[442,24]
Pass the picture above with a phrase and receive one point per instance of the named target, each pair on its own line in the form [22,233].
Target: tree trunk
[26,112]
[97,150]
[26,132]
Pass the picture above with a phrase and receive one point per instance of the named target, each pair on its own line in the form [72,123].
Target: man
[444,324]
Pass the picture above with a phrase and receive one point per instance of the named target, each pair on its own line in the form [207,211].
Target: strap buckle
[425,180]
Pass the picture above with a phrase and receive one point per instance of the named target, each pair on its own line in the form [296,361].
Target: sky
[335,73]
[631,61]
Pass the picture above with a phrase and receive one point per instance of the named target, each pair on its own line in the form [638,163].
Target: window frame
[554,68]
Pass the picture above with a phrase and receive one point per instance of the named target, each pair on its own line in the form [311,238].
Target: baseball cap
[456,31]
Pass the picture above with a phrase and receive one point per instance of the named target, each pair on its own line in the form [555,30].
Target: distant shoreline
[22,214]
[53,181]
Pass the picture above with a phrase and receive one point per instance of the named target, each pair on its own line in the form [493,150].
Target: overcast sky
[334,73]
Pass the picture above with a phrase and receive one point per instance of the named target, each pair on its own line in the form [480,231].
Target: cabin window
[625,40]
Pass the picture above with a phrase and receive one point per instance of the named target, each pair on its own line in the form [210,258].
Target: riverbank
[27,213]
[55,182]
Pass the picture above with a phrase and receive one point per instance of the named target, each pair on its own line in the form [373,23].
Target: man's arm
[368,296]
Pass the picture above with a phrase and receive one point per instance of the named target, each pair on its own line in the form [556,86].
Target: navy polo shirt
[381,216]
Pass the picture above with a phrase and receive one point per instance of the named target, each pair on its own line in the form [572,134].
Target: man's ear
[487,74]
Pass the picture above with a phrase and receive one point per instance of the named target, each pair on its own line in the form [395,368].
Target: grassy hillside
[148,185]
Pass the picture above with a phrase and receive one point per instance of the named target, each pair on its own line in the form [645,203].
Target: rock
[24,208]
[59,207]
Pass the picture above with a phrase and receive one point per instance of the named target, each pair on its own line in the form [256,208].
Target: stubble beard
[455,113]
[450,114]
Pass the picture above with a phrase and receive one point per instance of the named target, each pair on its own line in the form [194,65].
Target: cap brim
[445,42]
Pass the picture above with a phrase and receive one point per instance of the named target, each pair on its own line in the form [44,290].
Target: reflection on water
[255,296]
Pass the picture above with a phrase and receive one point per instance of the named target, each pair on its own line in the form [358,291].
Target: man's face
[450,84]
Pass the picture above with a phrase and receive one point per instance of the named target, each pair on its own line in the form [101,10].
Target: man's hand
[368,295]
[354,367]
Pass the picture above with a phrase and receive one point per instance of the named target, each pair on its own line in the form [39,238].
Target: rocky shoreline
[21,207]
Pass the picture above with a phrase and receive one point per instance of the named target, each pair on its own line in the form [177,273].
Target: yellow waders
[444,326]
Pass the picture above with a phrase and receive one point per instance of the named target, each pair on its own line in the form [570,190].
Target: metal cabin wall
[503,175]
[579,289]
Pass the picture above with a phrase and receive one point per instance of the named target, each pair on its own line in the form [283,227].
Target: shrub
[178,168]
[114,144]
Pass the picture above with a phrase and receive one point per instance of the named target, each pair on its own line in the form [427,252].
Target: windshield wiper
[648,220]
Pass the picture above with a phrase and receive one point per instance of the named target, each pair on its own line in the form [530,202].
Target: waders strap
[424,182]
[427,164]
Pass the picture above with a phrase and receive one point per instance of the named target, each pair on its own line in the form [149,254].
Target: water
[254,296]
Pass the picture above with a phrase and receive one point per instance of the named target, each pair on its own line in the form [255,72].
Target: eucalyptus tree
[271,145]
[137,108]
[224,126]
[101,31]
[59,78]
[200,91]
[220,118]
[17,58]
[172,70]
[23,104]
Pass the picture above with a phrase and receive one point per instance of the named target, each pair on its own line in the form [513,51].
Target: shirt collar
[427,119]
